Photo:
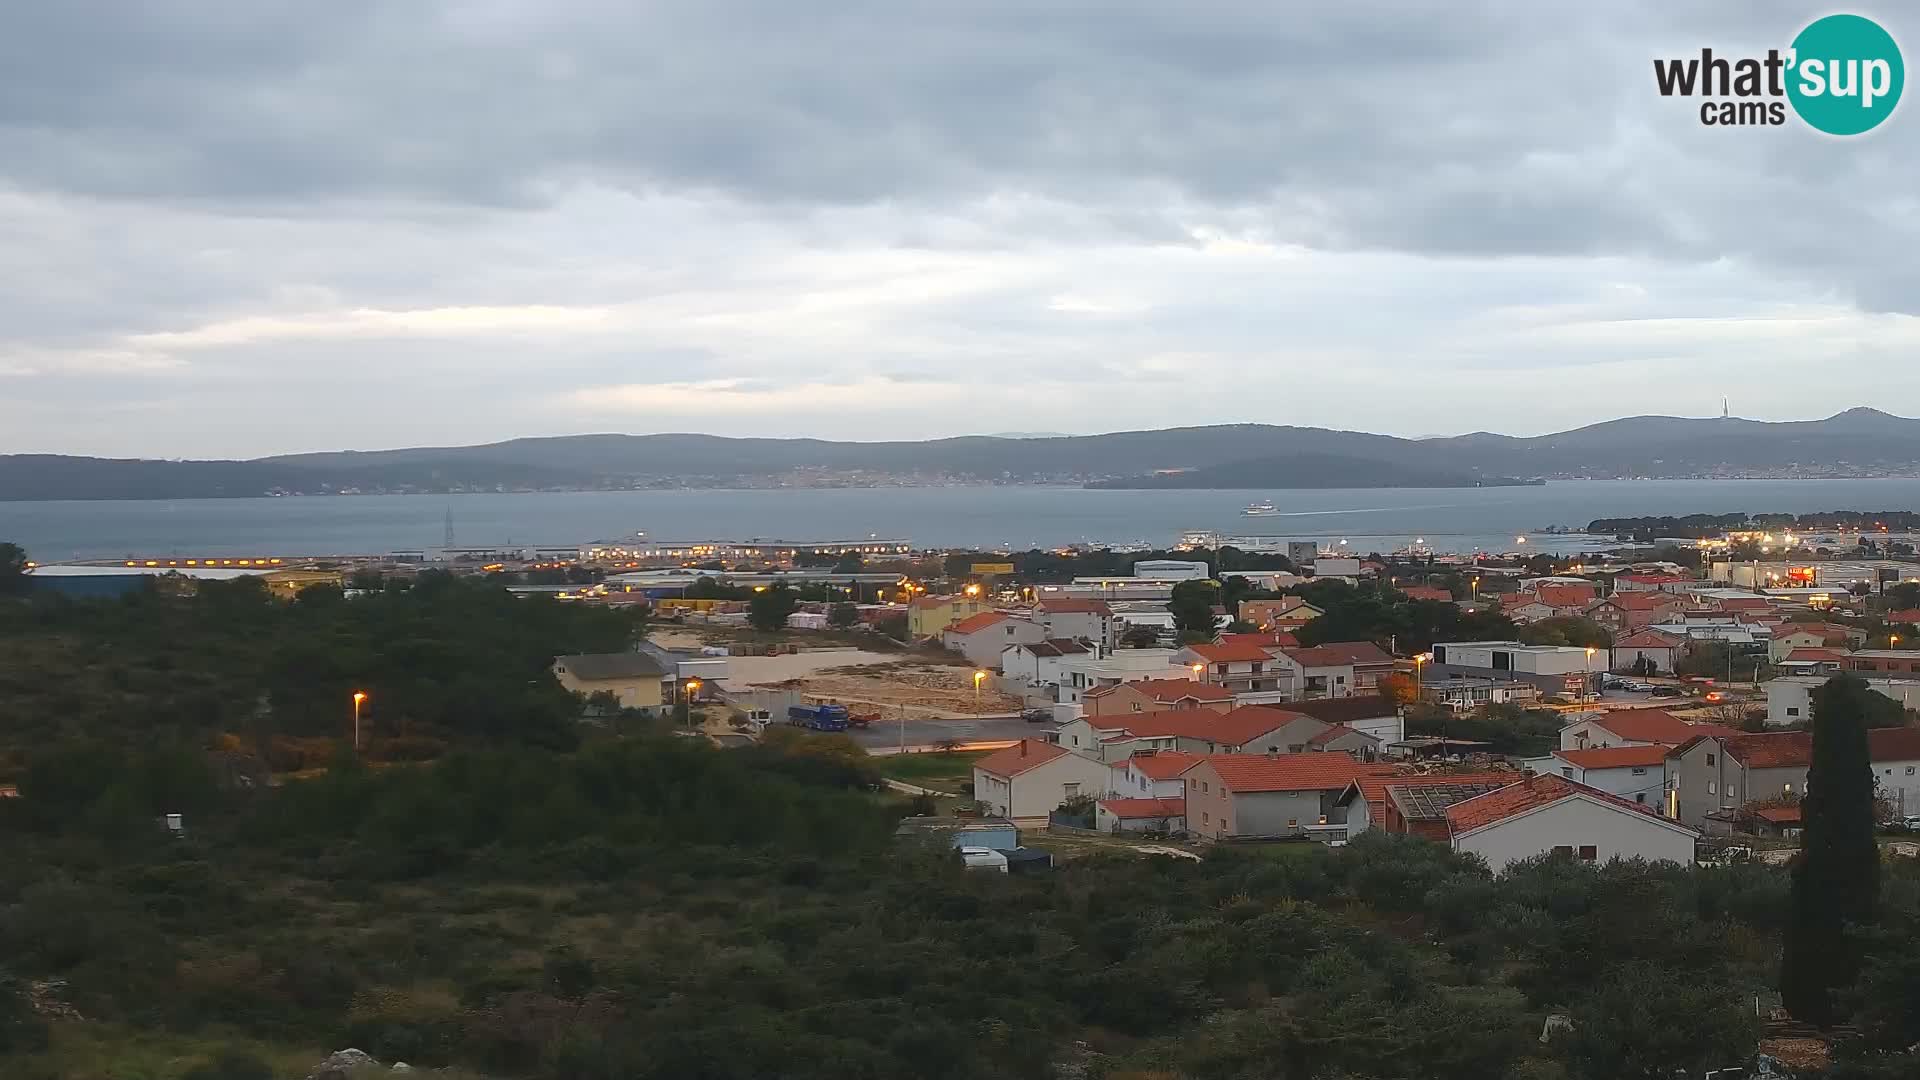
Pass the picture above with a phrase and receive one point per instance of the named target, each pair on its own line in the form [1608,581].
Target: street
[886,734]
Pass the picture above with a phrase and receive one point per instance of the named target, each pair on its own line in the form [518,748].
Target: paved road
[887,733]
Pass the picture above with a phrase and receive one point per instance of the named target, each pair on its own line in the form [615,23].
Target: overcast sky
[242,228]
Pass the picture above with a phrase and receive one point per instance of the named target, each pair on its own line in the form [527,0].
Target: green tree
[770,606]
[843,616]
[13,570]
[1192,608]
[1571,630]
[1836,879]
[1139,637]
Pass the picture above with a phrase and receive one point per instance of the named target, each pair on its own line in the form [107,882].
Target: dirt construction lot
[910,687]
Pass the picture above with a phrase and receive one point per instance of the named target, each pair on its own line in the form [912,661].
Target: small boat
[1263,508]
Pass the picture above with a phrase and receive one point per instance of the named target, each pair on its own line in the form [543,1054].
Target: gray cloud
[831,194]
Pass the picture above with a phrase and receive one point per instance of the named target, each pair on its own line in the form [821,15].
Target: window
[1588,853]
[1640,797]
[1070,790]
[1639,772]
[1136,706]
[1909,770]
[1709,761]
[1793,710]
[1563,849]
[1293,823]
[1787,788]
[1203,785]
[1204,819]
[1566,771]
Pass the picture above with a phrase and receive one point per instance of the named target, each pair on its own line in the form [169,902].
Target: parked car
[1037,716]
[1667,691]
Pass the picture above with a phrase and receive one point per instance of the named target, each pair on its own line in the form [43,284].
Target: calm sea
[1373,519]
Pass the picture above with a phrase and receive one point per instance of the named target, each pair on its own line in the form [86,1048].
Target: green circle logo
[1846,74]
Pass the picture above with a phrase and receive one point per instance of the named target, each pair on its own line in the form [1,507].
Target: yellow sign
[993,568]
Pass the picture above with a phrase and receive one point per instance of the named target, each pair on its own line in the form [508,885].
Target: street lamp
[1419,662]
[359,698]
[978,678]
[1588,682]
[1198,670]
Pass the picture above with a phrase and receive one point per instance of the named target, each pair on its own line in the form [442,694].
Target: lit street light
[359,698]
[978,678]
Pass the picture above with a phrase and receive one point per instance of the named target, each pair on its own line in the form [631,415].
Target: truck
[826,717]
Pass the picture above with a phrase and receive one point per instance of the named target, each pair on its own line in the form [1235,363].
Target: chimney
[1023,748]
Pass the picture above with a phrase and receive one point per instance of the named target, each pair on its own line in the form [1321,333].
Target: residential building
[1791,636]
[1790,697]
[1369,713]
[1667,583]
[1413,803]
[1905,616]
[1805,661]
[1886,663]
[1633,727]
[1040,663]
[1252,729]
[1289,613]
[1555,669]
[981,638]
[1524,608]
[1119,815]
[1339,668]
[1567,597]
[635,679]
[928,615]
[1464,694]
[1241,668]
[1551,814]
[1623,613]
[1151,774]
[1154,695]
[1086,620]
[1637,774]
[1658,652]
[1031,779]
[1343,739]
[1426,592]
[1269,640]
[1896,767]
[1249,795]
[1715,777]
[1083,674]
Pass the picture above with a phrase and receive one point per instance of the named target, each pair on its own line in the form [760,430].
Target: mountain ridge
[1855,442]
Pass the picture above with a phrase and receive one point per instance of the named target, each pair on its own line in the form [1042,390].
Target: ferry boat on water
[1263,508]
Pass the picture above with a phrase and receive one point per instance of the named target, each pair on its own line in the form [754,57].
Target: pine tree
[1836,880]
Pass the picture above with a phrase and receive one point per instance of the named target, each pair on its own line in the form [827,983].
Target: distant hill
[1306,471]
[1858,442]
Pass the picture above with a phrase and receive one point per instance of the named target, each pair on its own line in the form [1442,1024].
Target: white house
[981,638]
[1637,774]
[1039,663]
[1549,813]
[1031,779]
[1633,727]
[1790,697]
[1140,815]
[1651,646]
[1150,774]
[1083,673]
[1896,767]
[1079,620]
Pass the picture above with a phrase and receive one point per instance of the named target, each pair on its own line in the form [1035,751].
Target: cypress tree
[1836,879]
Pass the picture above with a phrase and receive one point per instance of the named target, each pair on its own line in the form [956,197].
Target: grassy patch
[86,1050]
[942,772]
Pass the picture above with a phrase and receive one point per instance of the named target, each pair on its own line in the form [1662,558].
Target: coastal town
[1646,702]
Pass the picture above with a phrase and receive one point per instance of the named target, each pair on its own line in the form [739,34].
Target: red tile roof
[1425,592]
[1020,757]
[1531,794]
[1164,690]
[1335,731]
[1656,726]
[1228,729]
[1615,757]
[1345,710]
[1245,773]
[1779,815]
[1640,601]
[1071,606]
[1565,596]
[1229,654]
[1271,639]
[1160,764]
[1340,654]
[1894,744]
[1816,655]
[1373,788]
[1771,750]
[1904,615]
[976,623]
[1136,809]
